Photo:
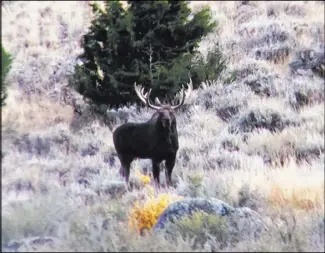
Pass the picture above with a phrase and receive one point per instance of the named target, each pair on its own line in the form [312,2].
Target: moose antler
[144,97]
[185,94]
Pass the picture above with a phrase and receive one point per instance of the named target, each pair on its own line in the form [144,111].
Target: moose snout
[166,123]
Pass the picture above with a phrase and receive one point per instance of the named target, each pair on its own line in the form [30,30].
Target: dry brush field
[256,143]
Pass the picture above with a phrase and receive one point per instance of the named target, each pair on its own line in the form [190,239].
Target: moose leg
[125,167]
[121,171]
[155,172]
[170,163]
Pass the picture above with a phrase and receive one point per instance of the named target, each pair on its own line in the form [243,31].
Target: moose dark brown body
[155,139]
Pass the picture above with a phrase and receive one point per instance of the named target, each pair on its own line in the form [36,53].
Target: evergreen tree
[151,43]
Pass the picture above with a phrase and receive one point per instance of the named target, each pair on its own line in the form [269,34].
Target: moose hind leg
[170,163]
[125,167]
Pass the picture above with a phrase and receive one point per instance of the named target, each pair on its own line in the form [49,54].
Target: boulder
[242,222]
[187,207]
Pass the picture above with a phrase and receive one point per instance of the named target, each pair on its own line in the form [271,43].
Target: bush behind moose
[125,45]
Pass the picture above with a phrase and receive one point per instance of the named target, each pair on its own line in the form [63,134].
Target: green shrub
[195,184]
[203,227]
[201,68]
[6,61]
[152,43]
[211,67]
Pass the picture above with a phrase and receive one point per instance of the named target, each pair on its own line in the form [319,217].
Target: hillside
[257,142]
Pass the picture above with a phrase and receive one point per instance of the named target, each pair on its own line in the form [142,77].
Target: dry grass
[33,114]
[298,188]
[64,184]
[306,197]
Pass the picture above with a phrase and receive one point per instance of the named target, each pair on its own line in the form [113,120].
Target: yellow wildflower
[144,179]
[145,215]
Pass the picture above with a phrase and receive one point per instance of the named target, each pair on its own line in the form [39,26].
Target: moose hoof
[121,172]
[157,187]
[129,186]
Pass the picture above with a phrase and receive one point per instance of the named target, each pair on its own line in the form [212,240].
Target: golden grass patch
[303,196]
[38,112]
[144,214]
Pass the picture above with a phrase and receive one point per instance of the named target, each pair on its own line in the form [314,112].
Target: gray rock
[186,207]
[247,222]
[242,223]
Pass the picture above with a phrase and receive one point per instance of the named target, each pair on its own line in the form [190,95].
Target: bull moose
[155,139]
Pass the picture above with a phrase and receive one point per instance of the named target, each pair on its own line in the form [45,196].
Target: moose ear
[157,101]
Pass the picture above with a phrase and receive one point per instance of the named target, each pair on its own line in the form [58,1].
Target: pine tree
[151,43]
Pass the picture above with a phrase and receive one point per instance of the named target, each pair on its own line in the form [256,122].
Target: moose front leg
[156,172]
[121,172]
[125,167]
[170,163]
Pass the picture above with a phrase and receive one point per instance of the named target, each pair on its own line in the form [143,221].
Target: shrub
[209,67]
[195,185]
[144,215]
[6,61]
[126,45]
[202,227]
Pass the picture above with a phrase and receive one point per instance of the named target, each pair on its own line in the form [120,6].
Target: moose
[155,139]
